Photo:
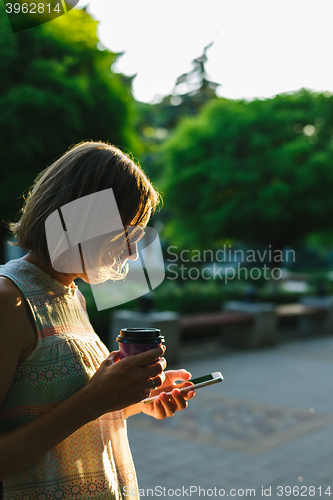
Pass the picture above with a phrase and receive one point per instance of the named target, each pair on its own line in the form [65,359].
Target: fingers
[113,357]
[166,406]
[144,370]
[179,375]
[178,400]
[164,363]
[156,382]
[154,370]
[153,375]
[189,395]
[181,385]
[147,357]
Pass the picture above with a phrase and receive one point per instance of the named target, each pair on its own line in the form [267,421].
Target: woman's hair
[84,169]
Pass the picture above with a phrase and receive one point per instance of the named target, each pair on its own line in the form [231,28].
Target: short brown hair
[84,169]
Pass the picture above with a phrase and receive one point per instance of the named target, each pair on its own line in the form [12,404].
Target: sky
[261,47]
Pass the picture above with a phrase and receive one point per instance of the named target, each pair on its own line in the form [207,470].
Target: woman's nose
[133,252]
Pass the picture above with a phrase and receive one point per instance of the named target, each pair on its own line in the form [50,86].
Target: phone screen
[198,380]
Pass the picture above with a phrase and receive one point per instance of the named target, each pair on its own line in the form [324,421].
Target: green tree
[259,172]
[154,122]
[200,90]
[57,89]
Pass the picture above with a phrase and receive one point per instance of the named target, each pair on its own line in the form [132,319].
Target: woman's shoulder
[9,295]
[11,338]
[15,327]
[17,337]
[12,308]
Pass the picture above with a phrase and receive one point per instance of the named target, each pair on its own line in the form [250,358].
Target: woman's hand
[118,384]
[164,405]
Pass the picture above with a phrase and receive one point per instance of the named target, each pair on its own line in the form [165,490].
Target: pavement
[265,431]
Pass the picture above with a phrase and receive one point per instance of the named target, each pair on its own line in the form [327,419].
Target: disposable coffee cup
[135,340]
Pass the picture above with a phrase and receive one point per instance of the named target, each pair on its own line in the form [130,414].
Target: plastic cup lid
[140,335]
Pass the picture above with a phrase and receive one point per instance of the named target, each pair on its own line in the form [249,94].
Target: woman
[64,398]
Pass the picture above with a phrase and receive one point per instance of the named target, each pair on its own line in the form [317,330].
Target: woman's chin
[101,275]
[94,278]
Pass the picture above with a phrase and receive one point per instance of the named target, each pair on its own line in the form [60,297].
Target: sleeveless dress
[94,462]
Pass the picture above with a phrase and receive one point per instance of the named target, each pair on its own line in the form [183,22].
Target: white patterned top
[95,461]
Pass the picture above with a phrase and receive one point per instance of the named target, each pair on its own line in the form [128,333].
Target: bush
[195,296]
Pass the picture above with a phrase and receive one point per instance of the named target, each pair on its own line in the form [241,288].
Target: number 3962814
[32,8]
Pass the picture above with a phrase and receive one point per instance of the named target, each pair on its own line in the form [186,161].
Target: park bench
[255,326]
[201,323]
[244,329]
[291,311]
[303,320]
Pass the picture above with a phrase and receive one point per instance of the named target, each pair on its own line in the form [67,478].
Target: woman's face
[114,255]
[105,257]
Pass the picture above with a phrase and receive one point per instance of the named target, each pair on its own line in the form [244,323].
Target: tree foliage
[260,172]
[154,122]
[57,89]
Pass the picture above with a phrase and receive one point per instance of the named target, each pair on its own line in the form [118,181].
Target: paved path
[267,427]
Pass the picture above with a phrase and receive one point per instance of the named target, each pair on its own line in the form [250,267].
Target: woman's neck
[64,279]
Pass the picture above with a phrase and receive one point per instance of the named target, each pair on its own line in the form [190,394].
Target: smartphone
[212,378]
